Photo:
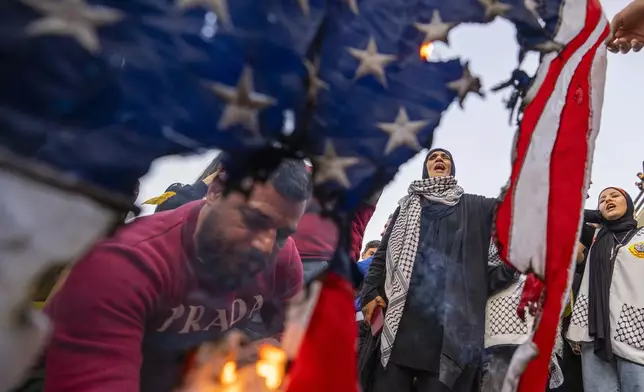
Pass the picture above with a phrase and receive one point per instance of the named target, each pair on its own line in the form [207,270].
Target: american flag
[100,88]
[539,219]
[97,89]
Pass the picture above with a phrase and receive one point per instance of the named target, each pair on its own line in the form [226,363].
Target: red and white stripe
[539,218]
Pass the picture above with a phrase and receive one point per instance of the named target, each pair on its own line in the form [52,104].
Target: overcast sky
[480,136]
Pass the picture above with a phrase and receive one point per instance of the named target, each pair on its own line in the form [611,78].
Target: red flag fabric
[538,220]
[533,289]
[327,358]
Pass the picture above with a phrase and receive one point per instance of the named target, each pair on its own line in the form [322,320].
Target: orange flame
[426,50]
[271,366]
[229,373]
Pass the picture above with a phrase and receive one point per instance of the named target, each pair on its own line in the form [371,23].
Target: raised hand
[627,29]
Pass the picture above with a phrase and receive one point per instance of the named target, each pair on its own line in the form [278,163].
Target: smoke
[439,295]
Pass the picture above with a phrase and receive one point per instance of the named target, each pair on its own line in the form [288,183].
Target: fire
[426,50]
[228,373]
[271,366]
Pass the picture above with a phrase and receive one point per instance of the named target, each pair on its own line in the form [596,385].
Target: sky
[480,136]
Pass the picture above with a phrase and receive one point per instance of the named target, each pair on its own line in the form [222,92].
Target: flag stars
[494,8]
[466,84]
[436,29]
[219,7]
[243,104]
[371,61]
[402,132]
[331,167]
[72,18]
[353,6]
[304,6]
[315,83]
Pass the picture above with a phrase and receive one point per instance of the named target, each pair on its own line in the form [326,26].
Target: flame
[228,373]
[271,366]
[426,50]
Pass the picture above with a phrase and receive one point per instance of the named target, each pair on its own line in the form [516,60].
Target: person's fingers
[367,311]
[380,302]
[637,45]
[623,44]
[615,24]
[612,47]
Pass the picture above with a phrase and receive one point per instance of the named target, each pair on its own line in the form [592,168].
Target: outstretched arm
[99,316]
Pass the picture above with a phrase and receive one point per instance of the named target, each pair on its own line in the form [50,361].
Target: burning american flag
[539,219]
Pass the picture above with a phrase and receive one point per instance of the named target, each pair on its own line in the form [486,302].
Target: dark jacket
[442,326]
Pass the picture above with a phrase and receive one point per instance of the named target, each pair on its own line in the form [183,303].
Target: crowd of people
[207,262]
[437,311]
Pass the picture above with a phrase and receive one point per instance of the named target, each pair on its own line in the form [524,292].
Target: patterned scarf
[403,246]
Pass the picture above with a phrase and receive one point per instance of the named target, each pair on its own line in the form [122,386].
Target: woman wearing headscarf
[430,274]
[608,317]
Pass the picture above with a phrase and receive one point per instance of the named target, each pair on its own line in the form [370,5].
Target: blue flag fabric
[99,88]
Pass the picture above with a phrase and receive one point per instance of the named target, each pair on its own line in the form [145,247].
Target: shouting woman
[430,276]
[608,317]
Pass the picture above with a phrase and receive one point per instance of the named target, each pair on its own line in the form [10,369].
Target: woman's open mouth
[439,166]
[610,207]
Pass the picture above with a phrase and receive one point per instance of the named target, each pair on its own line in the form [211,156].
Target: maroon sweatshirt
[130,307]
[316,237]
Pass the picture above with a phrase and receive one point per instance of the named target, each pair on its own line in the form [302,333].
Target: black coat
[443,323]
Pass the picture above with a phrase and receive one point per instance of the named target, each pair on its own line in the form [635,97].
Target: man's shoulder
[363,265]
[152,227]
[288,256]
[288,270]
[152,244]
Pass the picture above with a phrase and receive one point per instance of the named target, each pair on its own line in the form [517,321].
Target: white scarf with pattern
[403,246]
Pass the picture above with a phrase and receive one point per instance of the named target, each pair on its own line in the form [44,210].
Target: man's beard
[221,264]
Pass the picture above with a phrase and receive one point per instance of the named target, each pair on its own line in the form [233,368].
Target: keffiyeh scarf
[403,246]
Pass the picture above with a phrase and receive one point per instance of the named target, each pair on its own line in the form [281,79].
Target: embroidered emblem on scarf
[637,249]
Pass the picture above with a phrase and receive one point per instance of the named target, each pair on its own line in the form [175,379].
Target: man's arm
[290,277]
[373,285]
[359,224]
[99,317]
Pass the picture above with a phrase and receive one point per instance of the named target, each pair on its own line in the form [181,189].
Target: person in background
[316,237]
[607,317]
[430,275]
[178,194]
[370,249]
[571,360]
[169,281]
[363,267]
[504,329]
[384,229]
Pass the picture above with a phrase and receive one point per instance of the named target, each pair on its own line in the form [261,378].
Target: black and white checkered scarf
[403,246]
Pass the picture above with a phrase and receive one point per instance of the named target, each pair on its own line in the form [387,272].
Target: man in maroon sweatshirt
[172,280]
[316,237]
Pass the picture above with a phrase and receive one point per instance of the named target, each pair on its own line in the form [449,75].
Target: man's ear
[216,184]
[215,190]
